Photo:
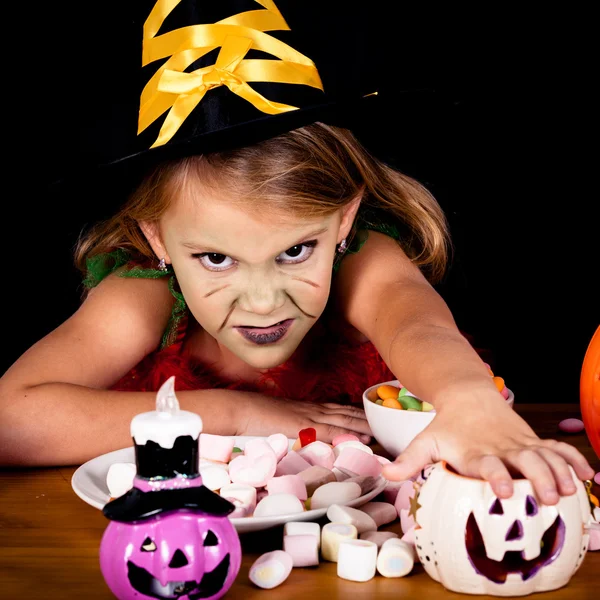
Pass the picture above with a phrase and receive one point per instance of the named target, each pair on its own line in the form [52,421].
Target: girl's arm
[384,296]
[56,408]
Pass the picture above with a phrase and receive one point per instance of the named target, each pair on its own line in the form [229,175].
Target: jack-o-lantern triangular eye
[531,506]
[497,508]
[211,539]
[148,545]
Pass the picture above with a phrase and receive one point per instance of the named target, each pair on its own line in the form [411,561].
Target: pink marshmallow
[280,445]
[291,464]
[216,447]
[571,425]
[406,521]
[381,512]
[288,484]
[318,453]
[314,477]
[390,491]
[343,437]
[258,447]
[253,471]
[504,392]
[359,462]
[304,549]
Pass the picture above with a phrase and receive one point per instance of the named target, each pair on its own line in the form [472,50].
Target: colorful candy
[307,436]
[571,425]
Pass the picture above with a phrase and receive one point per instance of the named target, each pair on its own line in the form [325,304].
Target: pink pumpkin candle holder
[476,543]
[169,536]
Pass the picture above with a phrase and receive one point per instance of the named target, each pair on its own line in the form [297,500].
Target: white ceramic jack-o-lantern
[474,542]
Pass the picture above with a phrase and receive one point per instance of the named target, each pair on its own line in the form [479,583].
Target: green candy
[236,449]
[379,401]
[409,402]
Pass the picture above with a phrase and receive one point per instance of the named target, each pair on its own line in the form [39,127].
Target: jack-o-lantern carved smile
[513,561]
[145,583]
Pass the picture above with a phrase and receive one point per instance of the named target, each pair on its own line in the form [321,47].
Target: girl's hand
[264,415]
[488,440]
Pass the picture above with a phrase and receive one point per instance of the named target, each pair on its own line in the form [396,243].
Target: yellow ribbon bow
[172,89]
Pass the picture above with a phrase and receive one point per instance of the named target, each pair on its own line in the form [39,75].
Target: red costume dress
[328,369]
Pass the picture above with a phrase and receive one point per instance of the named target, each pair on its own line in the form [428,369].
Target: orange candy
[499,382]
[387,391]
[392,403]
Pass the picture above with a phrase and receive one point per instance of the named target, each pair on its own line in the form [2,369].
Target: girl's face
[256,281]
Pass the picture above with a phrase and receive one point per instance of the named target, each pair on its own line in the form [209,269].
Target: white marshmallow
[271,569]
[214,478]
[119,478]
[278,504]
[396,558]
[378,536]
[335,492]
[318,453]
[357,560]
[303,528]
[332,535]
[280,445]
[345,514]
[206,462]
[337,450]
[216,447]
[246,494]
[253,470]
[304,549]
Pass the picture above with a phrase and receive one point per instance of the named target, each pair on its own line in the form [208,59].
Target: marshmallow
[357,560]
[291,464]
[271,569]
[381,512]
[406,520]
[214,478]
[390,491]
[304,549]
[406,491]
[340,475]
[378,536]
[352,444]
[358,462]
[245,494]
[396,558]
[318,453]
[366,482]
[278,504]
[280,445]
[288,484]
[334,492]
[344,437]
[216,447]
[345,514]
[315,477]
[257,447]
[332,535]
[303,528]
[206,462]
[119,478]
[240,511]
[256,470]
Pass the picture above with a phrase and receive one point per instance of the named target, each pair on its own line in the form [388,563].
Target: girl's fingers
[352,424]
[353,411]
[533,467]
[560,470]
[582,467]
[492,469]
[326,432]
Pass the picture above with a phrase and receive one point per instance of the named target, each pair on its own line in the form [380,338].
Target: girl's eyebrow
[308,236]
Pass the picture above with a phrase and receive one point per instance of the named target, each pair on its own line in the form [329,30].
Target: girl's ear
[348,215]
[151,231]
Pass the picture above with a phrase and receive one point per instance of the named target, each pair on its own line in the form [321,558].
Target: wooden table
[49,541]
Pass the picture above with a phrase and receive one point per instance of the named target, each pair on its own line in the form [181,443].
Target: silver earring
[341,248]
[162,265]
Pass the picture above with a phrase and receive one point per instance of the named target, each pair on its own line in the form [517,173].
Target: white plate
[89,483]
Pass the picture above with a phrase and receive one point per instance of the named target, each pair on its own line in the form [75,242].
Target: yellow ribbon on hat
[172,89]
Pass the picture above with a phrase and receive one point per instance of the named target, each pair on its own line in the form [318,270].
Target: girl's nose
[262,296]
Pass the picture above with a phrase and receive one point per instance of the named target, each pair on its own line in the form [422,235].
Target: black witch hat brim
[135,504]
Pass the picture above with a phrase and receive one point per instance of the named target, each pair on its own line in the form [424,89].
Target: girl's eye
[297,254]
[215,262]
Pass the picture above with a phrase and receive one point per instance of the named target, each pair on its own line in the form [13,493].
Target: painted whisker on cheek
[315,285]
[298,307]
[217,290]
[228,315]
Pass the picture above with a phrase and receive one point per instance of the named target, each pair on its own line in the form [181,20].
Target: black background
[504,136]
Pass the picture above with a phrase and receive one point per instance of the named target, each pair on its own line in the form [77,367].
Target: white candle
[165,424]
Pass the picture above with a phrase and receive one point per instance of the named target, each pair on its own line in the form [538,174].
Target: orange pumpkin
[589,392]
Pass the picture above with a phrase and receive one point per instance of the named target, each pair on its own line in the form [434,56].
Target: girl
[276,279]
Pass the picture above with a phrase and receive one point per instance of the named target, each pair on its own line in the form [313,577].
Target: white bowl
[395,429]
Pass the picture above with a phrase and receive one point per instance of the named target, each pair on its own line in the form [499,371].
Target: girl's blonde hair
[308,172]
